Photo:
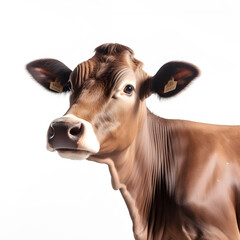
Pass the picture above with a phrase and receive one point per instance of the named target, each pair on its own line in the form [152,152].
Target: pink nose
[64,135]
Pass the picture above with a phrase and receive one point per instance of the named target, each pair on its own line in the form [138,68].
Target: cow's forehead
[107,68]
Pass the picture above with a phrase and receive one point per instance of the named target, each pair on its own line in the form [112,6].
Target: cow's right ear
[51,74]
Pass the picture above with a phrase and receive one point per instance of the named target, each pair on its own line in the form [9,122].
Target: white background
[43,196]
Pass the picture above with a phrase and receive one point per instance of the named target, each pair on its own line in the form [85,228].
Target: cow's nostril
[51,132]
[75,130]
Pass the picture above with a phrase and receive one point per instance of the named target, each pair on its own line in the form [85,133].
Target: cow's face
[107,99]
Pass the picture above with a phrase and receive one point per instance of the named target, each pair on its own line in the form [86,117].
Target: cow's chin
[74,154]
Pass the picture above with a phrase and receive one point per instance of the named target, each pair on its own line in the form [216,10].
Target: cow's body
[180,179]
[189,190]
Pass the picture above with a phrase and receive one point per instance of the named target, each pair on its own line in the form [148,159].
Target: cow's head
[107,99]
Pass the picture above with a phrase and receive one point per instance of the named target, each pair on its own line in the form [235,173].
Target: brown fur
[180,179]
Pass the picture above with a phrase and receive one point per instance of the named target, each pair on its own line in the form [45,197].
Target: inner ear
[173,77]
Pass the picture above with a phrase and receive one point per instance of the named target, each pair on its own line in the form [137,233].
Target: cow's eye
[128,89]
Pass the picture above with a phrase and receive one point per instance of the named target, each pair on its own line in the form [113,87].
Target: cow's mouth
[71,153]
[74,154]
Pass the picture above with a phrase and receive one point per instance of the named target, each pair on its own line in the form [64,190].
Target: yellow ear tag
[170,86]
[56,86]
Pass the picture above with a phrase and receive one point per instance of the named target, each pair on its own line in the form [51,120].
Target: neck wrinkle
[162,133]
[142,172]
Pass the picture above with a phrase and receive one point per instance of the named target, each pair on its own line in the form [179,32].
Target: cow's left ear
[51,74]
[172,77]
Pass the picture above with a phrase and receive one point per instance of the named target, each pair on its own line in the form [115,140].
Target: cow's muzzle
[72,134]
[64,135]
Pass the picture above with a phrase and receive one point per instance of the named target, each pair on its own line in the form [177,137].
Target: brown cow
[180,179]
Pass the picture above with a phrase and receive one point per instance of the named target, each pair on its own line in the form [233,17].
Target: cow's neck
[140,173]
